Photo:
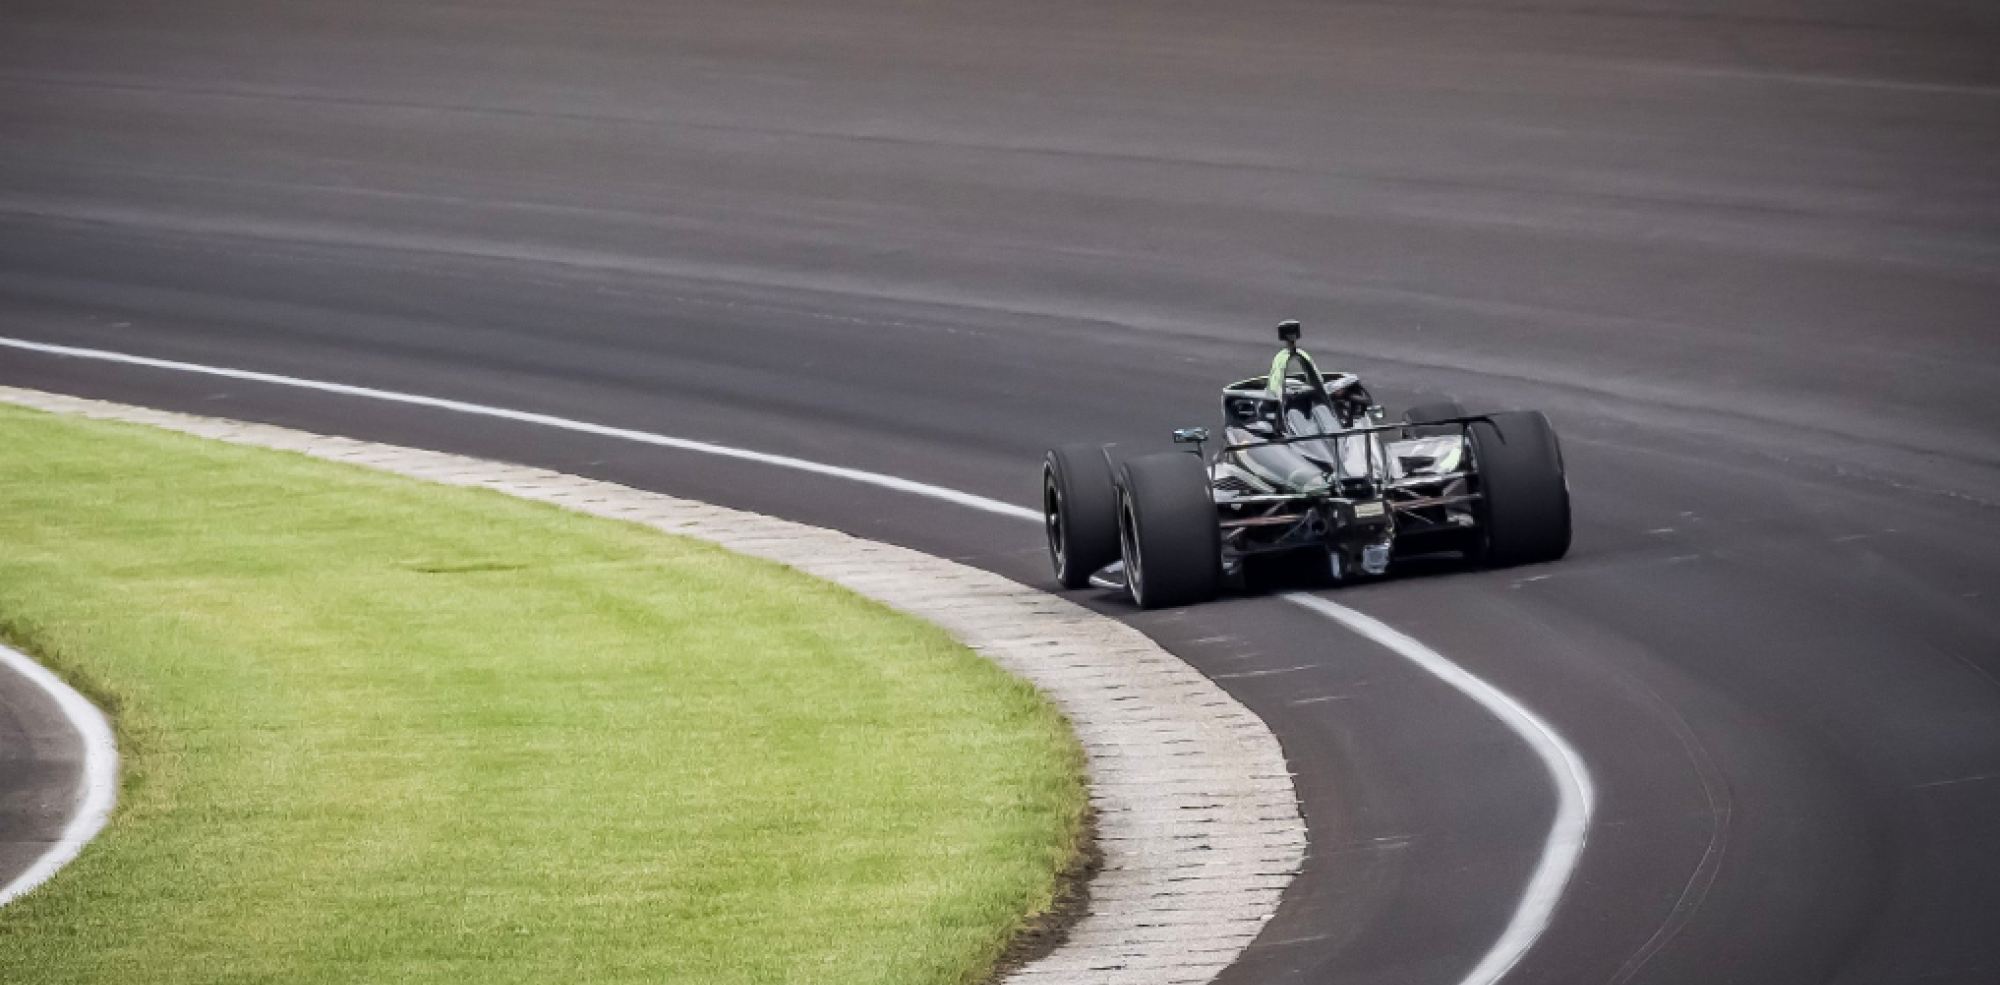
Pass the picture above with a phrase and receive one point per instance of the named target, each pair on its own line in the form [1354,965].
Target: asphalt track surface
[1746,255]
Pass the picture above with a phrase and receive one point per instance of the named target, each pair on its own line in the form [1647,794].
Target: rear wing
[1286,439]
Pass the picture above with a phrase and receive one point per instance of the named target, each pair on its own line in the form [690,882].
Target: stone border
[1197,822]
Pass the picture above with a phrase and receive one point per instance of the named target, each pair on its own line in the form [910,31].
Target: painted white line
[100,774]
[1576,799]
[948,495]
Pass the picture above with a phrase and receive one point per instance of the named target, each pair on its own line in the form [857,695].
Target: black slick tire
[1168,533]
[1080,512]
[1524,507]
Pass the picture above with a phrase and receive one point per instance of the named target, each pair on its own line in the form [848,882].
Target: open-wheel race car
[1307,472]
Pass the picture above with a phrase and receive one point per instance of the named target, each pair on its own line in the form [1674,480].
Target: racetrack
[1746,255]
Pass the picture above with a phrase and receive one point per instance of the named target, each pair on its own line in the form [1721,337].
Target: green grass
[376,730]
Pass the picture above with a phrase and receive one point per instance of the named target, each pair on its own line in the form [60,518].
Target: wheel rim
[1128,540]
[1052,517]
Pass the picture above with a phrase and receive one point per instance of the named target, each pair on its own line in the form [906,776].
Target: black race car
[1306,471]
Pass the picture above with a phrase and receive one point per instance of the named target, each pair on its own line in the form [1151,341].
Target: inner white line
[546,420]
[1575,797]
[100,774]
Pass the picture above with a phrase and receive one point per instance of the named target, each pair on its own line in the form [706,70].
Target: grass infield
[375,730]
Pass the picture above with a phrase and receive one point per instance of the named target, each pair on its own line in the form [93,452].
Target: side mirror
[1376,413]
[1190,436]
[1288,332]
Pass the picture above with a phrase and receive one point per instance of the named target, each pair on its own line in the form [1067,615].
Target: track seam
[1198,823]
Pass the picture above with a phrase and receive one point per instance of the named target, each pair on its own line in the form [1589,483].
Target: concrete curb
[1197,821]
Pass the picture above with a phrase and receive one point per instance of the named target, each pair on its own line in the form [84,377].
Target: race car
[1306,471]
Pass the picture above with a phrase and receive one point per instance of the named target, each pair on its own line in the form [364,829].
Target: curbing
[1197,822]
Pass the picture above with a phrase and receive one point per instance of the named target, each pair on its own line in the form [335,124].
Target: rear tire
[1524,507]
[1168,533]
[1080,512]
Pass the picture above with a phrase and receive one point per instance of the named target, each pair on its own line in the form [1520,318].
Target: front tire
[1168,532]
[1524,505]
[1080,512]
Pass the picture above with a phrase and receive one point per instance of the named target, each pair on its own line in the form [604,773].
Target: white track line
[1575,797]
[545,420]
[100,774]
